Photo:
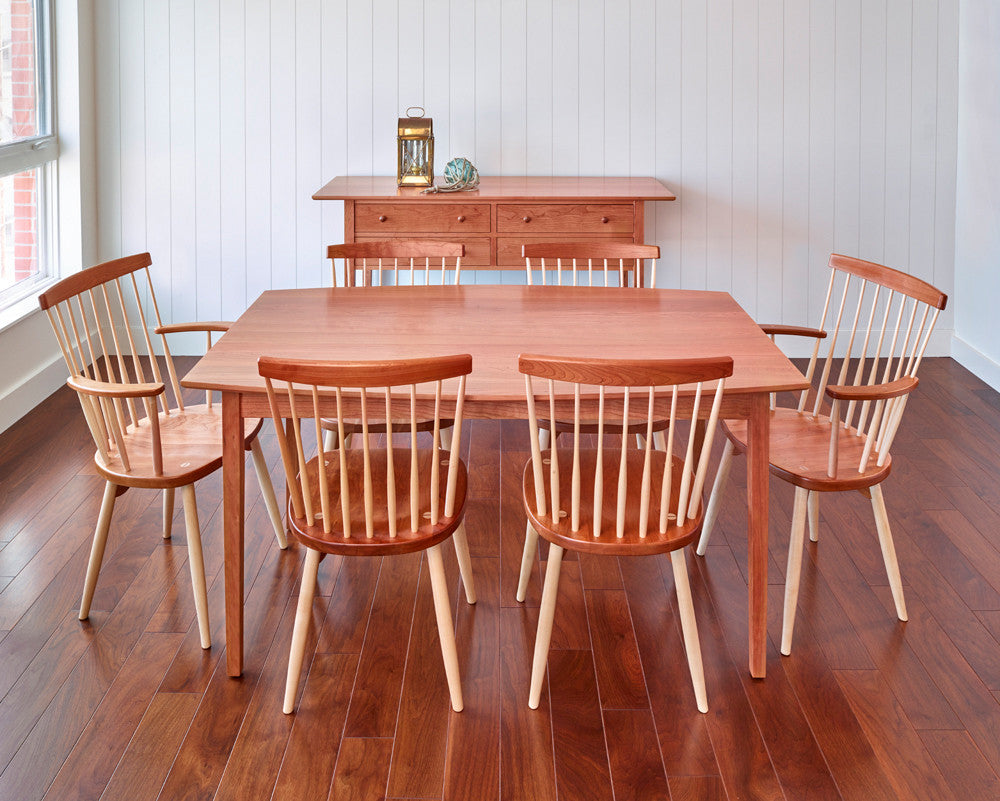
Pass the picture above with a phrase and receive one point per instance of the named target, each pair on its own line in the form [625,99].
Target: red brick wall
[25,124]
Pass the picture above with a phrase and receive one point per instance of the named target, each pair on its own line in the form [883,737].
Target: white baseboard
[977,362]
[24,397]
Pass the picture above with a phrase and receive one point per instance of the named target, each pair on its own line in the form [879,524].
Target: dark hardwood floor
[128,706]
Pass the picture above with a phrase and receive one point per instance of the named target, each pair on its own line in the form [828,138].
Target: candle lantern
[415,149]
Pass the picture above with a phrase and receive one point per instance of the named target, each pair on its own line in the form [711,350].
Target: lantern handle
[421,114]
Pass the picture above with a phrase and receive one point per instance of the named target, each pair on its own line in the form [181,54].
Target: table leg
[758,426]
[232,522]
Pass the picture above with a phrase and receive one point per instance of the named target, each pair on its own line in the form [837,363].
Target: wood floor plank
[512,528]
[475,732]
[142,769]
[581,757]
[962,764]
[362,769]
[569,627]
[88,768]
[616,656]
[343,630]
[375,701]
[311,755]
[527,771]
[697,788]
[598,572]
[634,754]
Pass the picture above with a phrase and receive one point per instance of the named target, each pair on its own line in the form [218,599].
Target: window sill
[23,308]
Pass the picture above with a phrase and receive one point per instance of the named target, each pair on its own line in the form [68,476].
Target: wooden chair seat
[380,543]
[630,543]
[799,446]
[192,449]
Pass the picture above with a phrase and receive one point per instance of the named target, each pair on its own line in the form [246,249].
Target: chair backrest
[878,322]
[298,397]
[592,263]
[672,498]
[100,320]
[387,263]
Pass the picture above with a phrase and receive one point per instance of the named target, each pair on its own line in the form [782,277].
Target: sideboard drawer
[405,218]
[477,248]
[616,218]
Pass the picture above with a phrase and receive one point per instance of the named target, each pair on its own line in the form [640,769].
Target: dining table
[494,324]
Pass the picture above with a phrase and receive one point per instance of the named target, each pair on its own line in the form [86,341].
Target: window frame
[41,153]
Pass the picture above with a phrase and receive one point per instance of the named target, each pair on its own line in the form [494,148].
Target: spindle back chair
[877,322]
[384,263]
[593,263]
[612,499]
[146,434]
[373,501]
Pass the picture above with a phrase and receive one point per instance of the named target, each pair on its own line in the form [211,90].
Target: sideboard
[494,220]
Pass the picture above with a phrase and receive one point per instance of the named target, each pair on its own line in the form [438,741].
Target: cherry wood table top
[494,324]
[507,187]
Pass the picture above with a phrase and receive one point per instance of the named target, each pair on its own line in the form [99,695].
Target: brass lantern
[415,149]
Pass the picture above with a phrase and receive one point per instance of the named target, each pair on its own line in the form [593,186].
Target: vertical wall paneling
[257,100]
[795,166]
[787,129]
[283,143]
[306,264]
[770,166]
[233,158]
[159,225]
[207,122]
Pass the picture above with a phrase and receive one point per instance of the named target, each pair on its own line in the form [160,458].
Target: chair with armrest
[144,437]
[612,499]
[390,263]
[880,321]
[373,501]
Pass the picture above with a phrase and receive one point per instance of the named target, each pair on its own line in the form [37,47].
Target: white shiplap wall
[787,128]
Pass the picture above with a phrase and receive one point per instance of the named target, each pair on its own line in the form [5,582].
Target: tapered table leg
[232,522]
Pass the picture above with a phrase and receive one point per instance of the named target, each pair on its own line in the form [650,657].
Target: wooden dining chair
[373,501]
[878,322]
[590,263]
[613,499]
[102,317]
[389,263]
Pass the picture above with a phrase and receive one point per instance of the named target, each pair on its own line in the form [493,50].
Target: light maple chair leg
[718,490]
[446,630]
[689,627]
[544,439]
[446,438]
[813,507]
[97,548]
[330,440]
[464,563]
[303,613]
[168,512]
[267,490]
[527,561]
[888,551]
[546,614]
[660,440]
[794,569]
[196,562]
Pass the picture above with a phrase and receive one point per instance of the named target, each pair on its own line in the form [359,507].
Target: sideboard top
[507,187]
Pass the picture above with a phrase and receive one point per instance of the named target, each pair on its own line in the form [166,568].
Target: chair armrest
[110,389]
[179,328]
[793,330]
[874,392]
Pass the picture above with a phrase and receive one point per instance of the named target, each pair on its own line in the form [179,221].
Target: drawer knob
[461,218]
[526,218]
[605,220]
[381,218]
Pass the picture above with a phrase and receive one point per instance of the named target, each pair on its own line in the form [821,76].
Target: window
[27,148]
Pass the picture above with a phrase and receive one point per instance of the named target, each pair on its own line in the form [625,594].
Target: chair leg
[330,440]
[545,617]
[303,612]
[718,488]
[527,561]
[794,569]
[464,563]
[446,437]
[446,629]
[168,512]
[660,440]
[267,490]
[813,508]
[544,438]
[97,548]
[689,627]
[197,563]
[888,551]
